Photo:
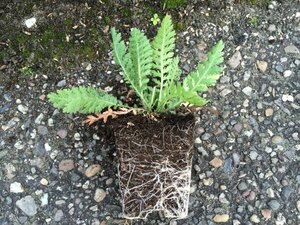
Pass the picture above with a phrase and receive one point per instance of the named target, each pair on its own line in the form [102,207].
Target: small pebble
[27,205]
[62,133]
[235,60]
[77,136]
[221,218]
[269,112]
[291,49]
[242,186]
[58,215]
[262,65]
[255,219]
[208,182]
[29,23]
[274,204]
[44,181]
[61,83]
[23,109]
[277,139]
[266,213]
[288,98]
[287,73]
[247,91]
[92,170]
[66,165]
[216,162]
[16,187]
[100,194]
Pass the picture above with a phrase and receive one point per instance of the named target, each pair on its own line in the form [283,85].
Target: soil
[154,156]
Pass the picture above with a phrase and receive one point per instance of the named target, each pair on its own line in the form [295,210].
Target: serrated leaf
[141,56]
[82,100]
[136,64]
[207,72]
[163,45]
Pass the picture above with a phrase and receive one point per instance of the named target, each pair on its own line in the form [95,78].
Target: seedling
[254,21]
[26,71]
[152,72]
[155,19]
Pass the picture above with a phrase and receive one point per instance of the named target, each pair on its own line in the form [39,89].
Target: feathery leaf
[141,56]
[82,99]
[207,72]
[163,46]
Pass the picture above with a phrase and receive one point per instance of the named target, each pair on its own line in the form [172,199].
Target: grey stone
[247,75]
[236,158]
[277,139]
[242,186]
[42,130]
[253,155]
[61,83]
[272,28]
[235,60]
[40,148]
[274,204]
[62,133]
[58,215]
[3,153]
[286,192]
[279,68]
[27,205]
[291,49]
[7,97]
[247,91]
[221,138]
[227,167]
[225,92]
[205,136]
[23,219]
[39,119]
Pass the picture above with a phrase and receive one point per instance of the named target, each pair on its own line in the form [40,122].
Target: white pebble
[16,187]
[44,199]
[30,22]
[289,98]
[77,136]
[247,91]
[47,147]
[287,73]
[23,109]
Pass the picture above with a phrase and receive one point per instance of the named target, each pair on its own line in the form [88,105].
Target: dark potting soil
[154,163]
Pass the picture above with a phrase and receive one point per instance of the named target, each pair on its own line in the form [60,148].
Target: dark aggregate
[260,154]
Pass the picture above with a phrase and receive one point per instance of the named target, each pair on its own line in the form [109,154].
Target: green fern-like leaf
[163,62]
[82,100]
[176,95]
[136,64]
[207,72]
[141,56]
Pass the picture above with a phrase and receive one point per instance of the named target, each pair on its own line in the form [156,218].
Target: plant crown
[152,71]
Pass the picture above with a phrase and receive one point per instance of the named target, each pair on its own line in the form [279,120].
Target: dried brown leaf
[109,113]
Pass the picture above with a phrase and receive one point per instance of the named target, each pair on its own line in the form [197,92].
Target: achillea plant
[152,72]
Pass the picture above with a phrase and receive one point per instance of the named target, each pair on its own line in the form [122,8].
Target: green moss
[259,3]
[171,4]
[26,71]
[106,20]
[178,25]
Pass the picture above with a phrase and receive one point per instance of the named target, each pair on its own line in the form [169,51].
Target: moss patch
[258,3]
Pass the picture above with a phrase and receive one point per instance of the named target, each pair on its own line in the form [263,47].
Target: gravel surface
[246,167]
